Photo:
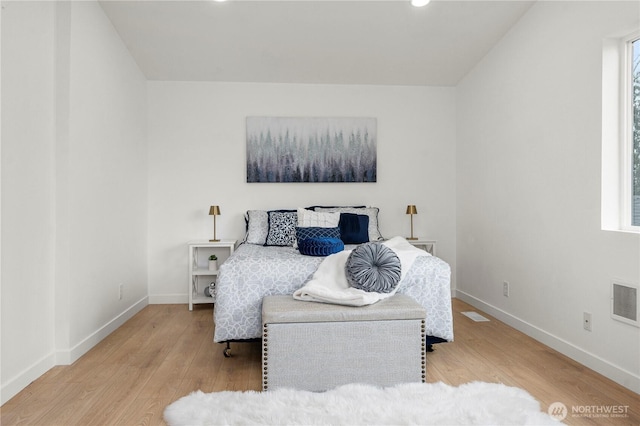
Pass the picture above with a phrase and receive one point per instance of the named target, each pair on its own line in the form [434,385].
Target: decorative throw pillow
[373,267]
[320,246]
[257,222]
[335,207]
[354,228]
[372,212]
[309,218]
[282,228]
[316,232]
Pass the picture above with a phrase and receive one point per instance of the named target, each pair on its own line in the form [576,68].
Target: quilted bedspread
[255,271]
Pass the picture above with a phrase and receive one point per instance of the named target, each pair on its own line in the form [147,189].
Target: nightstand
[427,245]
[200,276]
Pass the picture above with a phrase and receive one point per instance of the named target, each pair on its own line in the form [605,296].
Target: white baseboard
[619,375]
[168,299]
[22,380]
[70,356]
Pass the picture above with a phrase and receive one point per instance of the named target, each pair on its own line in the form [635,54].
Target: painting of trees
[289,149]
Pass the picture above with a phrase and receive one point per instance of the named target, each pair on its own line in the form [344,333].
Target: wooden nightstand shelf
[427,245]
[200,276]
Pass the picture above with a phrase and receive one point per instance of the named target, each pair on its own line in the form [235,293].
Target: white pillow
[309,218]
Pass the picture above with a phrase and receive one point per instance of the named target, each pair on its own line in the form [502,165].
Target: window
[621,133]
[634,79]
[631,133]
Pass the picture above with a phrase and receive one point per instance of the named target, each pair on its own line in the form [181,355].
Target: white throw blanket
[329,283]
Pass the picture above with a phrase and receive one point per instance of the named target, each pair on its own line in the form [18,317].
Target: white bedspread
[329,283]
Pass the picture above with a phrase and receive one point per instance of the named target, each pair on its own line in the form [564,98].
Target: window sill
[634,230]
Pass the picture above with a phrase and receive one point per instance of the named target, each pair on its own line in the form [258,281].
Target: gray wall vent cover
[624,303]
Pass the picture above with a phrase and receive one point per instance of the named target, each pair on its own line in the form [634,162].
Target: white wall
[528,200]
[197,158]
[107,184]
[74,185]
[28,201]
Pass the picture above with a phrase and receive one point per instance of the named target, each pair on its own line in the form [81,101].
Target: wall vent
[625,299]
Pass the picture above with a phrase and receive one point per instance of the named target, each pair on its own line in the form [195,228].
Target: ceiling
[324,42]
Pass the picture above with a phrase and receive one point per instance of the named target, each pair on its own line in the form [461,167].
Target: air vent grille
[624,303]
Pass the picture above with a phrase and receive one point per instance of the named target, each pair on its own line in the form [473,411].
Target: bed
[256,270]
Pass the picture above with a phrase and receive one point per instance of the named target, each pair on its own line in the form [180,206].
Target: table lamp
[411,210]
[214,211]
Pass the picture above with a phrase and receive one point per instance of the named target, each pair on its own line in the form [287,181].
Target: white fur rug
[474,403]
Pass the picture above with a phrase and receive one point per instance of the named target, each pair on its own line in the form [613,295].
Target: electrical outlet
[586,321]
[505,288]
[120,291]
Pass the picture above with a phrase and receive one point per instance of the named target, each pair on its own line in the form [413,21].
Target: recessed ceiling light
[420,3]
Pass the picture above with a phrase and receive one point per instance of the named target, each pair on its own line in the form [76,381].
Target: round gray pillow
[373,267]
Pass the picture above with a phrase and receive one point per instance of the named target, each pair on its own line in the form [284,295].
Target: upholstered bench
[317,346]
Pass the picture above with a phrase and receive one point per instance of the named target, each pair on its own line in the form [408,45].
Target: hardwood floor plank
[68,403]
[120,394]
[144,412]
[166,352]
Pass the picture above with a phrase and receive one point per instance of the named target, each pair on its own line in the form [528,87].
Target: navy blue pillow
[306,233]
[334,207]
[320,246]
[354,228]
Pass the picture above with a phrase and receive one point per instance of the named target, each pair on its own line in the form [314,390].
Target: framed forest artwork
[294,149]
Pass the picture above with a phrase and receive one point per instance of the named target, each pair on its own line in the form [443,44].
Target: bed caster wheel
[227,352]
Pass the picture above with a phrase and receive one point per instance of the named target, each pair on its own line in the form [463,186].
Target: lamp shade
[214,211]
[411,209]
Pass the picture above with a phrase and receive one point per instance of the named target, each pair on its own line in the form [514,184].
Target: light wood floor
[165,352]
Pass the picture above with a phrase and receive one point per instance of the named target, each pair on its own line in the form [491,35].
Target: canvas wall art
[294,149]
